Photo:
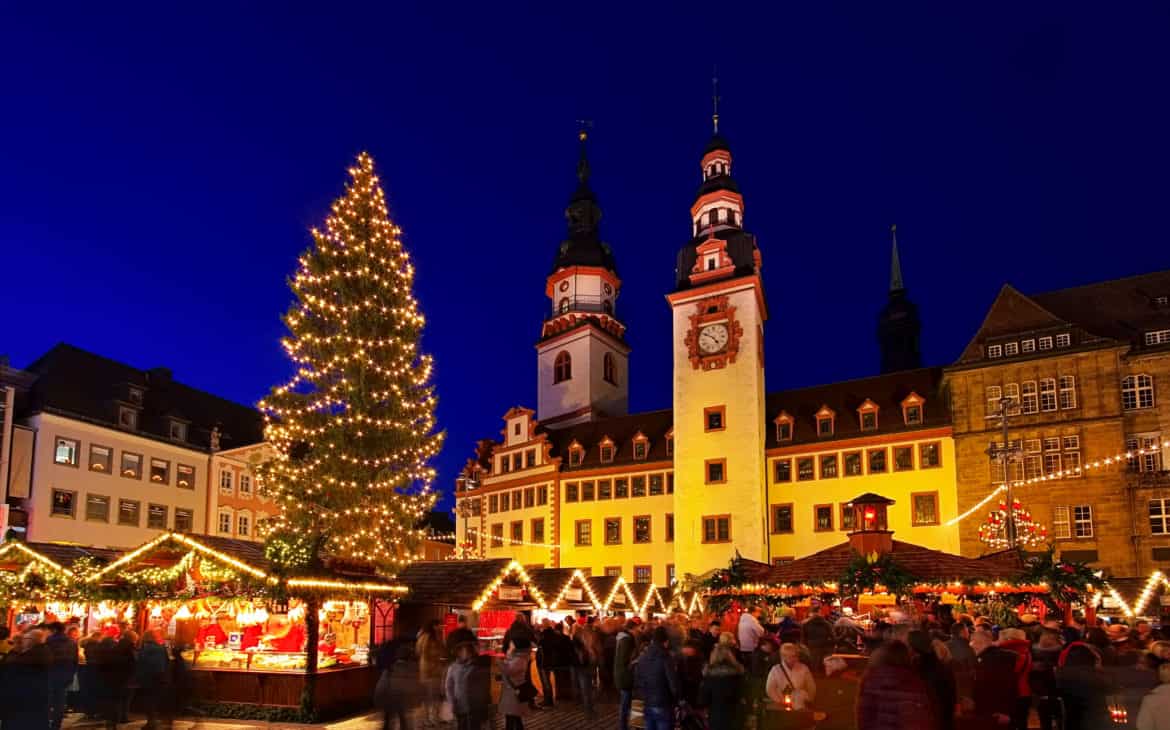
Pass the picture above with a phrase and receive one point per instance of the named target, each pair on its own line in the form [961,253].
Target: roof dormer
[867,415]
[826,422]
[518,425]
[913,409]
[783,426]
[576,453]
[606,450]
[641,446]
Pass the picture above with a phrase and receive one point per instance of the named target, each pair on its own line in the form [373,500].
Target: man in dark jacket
[64,666]
[461,635]
[996,687]
[817,635]
[623,673]
[711,637]
[656,682]
[151,674]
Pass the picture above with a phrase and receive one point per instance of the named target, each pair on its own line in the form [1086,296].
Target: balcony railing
[1148,479]
[587,304]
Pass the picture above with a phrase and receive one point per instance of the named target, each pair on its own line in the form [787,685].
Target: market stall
[568,591]
[246,631]
[40,582]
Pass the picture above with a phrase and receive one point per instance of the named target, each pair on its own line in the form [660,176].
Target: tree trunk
[312,634]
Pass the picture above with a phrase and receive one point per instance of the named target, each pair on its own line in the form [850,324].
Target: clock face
[713,338]
[564,286]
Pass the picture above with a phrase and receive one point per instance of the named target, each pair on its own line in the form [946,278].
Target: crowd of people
[48,670]
[828,671]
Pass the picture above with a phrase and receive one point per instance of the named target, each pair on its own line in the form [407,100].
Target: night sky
[159,169]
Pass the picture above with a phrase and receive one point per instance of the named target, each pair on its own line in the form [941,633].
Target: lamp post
[1005,455]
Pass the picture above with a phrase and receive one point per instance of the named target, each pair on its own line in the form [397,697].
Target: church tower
[899,328]
[582,354]
[719,312]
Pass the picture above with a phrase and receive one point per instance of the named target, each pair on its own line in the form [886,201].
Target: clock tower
[582,354]
[719,312]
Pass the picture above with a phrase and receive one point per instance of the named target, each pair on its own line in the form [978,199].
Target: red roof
[930,566]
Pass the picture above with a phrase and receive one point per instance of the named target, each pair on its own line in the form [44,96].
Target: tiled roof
[621,430]
[449,582]
[1120,309]
[80,384]
[65,554]
[927,565]
[886,391]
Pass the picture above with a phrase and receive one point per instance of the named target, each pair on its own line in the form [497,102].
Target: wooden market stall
[39,581]
[248,633]
[568,592]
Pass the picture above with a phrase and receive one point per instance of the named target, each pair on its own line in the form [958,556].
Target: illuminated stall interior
[39,582]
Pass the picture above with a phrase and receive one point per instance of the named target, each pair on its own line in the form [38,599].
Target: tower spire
[895,264]
[715,101]
[583,160]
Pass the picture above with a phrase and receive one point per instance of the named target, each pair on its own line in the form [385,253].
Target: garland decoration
[873,572]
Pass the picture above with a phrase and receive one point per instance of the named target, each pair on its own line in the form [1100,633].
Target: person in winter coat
[656,682]
[817,634]
[115,667]
[938,677]
[623,673]
[1042,679]
[86,679]
[587,652]
[1155,710]
[721,690]
[791,677]
[468,687]
[429,650]
[1083,688]
[150,674]
[61,672]
[1016,641]
[389,696]
[689,666]
[514,671]
[892,696]
[962,658]
[520,628]
[553,656]
[837,695]
[461,635]
[749,632]
[711,637]
[995,687]
[26,683]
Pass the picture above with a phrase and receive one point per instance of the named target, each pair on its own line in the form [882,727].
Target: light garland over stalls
[28,552]
[620,583]
[512,568]
[354,429]
[1120,457]
[576,577]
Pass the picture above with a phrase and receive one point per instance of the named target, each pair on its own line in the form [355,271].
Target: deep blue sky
[159,167]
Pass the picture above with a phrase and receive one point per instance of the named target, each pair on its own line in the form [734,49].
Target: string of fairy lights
[354,428]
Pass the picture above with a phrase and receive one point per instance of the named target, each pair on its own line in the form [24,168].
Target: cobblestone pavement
[566,716]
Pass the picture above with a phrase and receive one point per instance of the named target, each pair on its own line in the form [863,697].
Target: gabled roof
[450,582]
[844,398]
[80,384]
[552,581]
[931,566]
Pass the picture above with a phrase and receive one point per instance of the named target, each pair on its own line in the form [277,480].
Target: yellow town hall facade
[653,496]
[1083,375]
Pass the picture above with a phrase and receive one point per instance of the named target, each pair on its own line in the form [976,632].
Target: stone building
[1087,372]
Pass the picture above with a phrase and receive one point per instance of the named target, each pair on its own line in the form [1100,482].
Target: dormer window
[825,421]
[867,414]
[783,426]
[912,413]
[641,447]
[576,454]
[563,306]
[994,351]
[670,444]
[711,262]
[128,417]
[134,395]
[178,431]
[605,451]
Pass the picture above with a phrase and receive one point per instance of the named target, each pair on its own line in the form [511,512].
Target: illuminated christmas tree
[995,531]
[354,429]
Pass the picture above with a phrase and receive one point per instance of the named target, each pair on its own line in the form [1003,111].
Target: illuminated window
[131,465]
[639,489]
[925,508]
[1064,340]
[1029,398]
[852,460]
[823,518]
[642,529]
[129,512]
[613,531]
[1048,394]
[1160,516]
[613,571]
[160,471]
[584,533]
[929,455]
[65,451]
[1082,520]
[1068,392]
[245,485]
[782,470]
[604,489]
[829,466]
[993,394]
[101,458]
[903,458]
[642,573]
[805,469]
[995,351]
[185,478]
[64,503]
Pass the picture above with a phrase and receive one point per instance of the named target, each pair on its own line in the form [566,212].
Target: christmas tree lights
[354,429]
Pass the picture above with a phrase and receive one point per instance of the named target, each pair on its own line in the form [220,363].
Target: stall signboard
[511,593]
[235,639]
[1164,600]
[573,594]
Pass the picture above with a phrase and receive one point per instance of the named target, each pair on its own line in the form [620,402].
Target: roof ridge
[1099,283]
[877,376]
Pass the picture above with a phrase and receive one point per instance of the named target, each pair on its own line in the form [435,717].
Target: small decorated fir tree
[354,429]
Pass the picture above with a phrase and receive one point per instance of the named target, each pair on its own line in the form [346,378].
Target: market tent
[1138,596]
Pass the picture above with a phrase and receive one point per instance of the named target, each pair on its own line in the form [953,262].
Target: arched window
[607,306]
[563,306]
[562,367]
[609,368]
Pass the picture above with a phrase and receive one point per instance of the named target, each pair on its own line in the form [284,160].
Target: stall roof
[647,596]
[61,555]
[450,582]
[553,582]
[927,565]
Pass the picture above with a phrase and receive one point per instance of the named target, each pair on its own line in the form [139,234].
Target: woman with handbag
[517,689]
